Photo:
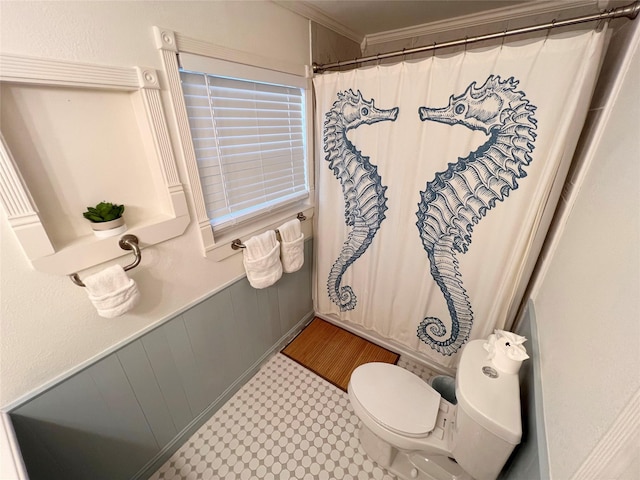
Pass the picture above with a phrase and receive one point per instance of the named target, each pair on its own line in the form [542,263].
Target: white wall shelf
[75,134]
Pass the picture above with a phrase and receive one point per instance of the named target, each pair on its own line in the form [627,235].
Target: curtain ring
[601,22]
[378,58]
[504,36]
[404,57]
[433,52]
[466,38]
[553,23]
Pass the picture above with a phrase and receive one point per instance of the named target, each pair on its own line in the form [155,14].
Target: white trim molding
[616,449]
[40,71]
[22,212]
[169,41]
[166,43]
[11,463]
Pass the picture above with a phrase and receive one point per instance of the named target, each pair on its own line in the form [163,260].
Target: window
[248,127]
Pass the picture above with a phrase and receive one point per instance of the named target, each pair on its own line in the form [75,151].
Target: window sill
[221,249]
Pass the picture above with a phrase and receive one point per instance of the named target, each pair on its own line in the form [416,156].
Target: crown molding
[312,13]
[477,19]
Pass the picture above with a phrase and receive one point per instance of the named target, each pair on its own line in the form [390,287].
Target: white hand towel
[112,292]
[261,259]
[292,246]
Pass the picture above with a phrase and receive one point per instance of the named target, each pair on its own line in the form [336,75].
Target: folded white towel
[112,292]
[261,259]
[292,246]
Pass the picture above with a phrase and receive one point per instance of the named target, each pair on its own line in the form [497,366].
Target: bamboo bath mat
[333,353]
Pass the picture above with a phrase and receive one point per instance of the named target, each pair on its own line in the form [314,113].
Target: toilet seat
[396,398]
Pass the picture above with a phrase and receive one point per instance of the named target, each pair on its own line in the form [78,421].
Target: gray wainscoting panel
[247,330]
[80,430]
[268,305]
[156,345]
[529,460]
[294,301]
[187,366]
[126,418]
[147,391]
[125,414]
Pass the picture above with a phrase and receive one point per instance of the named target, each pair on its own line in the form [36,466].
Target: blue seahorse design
[460,196]
[364,194]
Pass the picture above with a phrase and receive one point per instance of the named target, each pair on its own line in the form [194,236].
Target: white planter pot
[109,229]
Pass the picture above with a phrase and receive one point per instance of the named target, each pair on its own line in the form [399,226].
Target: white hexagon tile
[285,423]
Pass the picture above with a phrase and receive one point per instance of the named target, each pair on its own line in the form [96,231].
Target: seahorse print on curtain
[456,199]
[364,195]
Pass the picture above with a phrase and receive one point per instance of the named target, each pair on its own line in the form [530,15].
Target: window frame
[173,46]
[205,66]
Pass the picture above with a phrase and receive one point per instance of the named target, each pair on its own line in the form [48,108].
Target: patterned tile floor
[285,423]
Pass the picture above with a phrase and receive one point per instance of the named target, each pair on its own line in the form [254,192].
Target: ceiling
[366,17]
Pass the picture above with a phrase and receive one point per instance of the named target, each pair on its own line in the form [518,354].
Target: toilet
[409,429]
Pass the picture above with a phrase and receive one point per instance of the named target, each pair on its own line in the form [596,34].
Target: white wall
[586,300]
[48,326]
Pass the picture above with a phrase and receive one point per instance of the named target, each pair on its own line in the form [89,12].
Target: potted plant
[106,219]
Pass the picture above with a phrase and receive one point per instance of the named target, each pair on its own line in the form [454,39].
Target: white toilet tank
[488,422]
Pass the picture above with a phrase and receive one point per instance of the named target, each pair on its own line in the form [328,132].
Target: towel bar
[127,242]
[237,243]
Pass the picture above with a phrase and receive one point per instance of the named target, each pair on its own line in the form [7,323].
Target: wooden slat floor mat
[333,353]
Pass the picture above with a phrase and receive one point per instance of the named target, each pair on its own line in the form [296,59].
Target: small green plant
[103,212]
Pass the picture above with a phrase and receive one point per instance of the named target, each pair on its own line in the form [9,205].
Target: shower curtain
[432,179]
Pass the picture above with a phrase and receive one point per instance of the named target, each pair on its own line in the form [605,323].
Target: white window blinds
[249,141]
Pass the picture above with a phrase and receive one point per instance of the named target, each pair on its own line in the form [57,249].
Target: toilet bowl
[408,428]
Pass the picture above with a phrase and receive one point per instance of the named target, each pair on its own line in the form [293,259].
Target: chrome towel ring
[237,243]
[127,242]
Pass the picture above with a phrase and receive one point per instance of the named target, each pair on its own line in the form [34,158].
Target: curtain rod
[630,11]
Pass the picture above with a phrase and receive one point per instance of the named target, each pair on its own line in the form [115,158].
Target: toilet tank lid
[493,402]
[396,398]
